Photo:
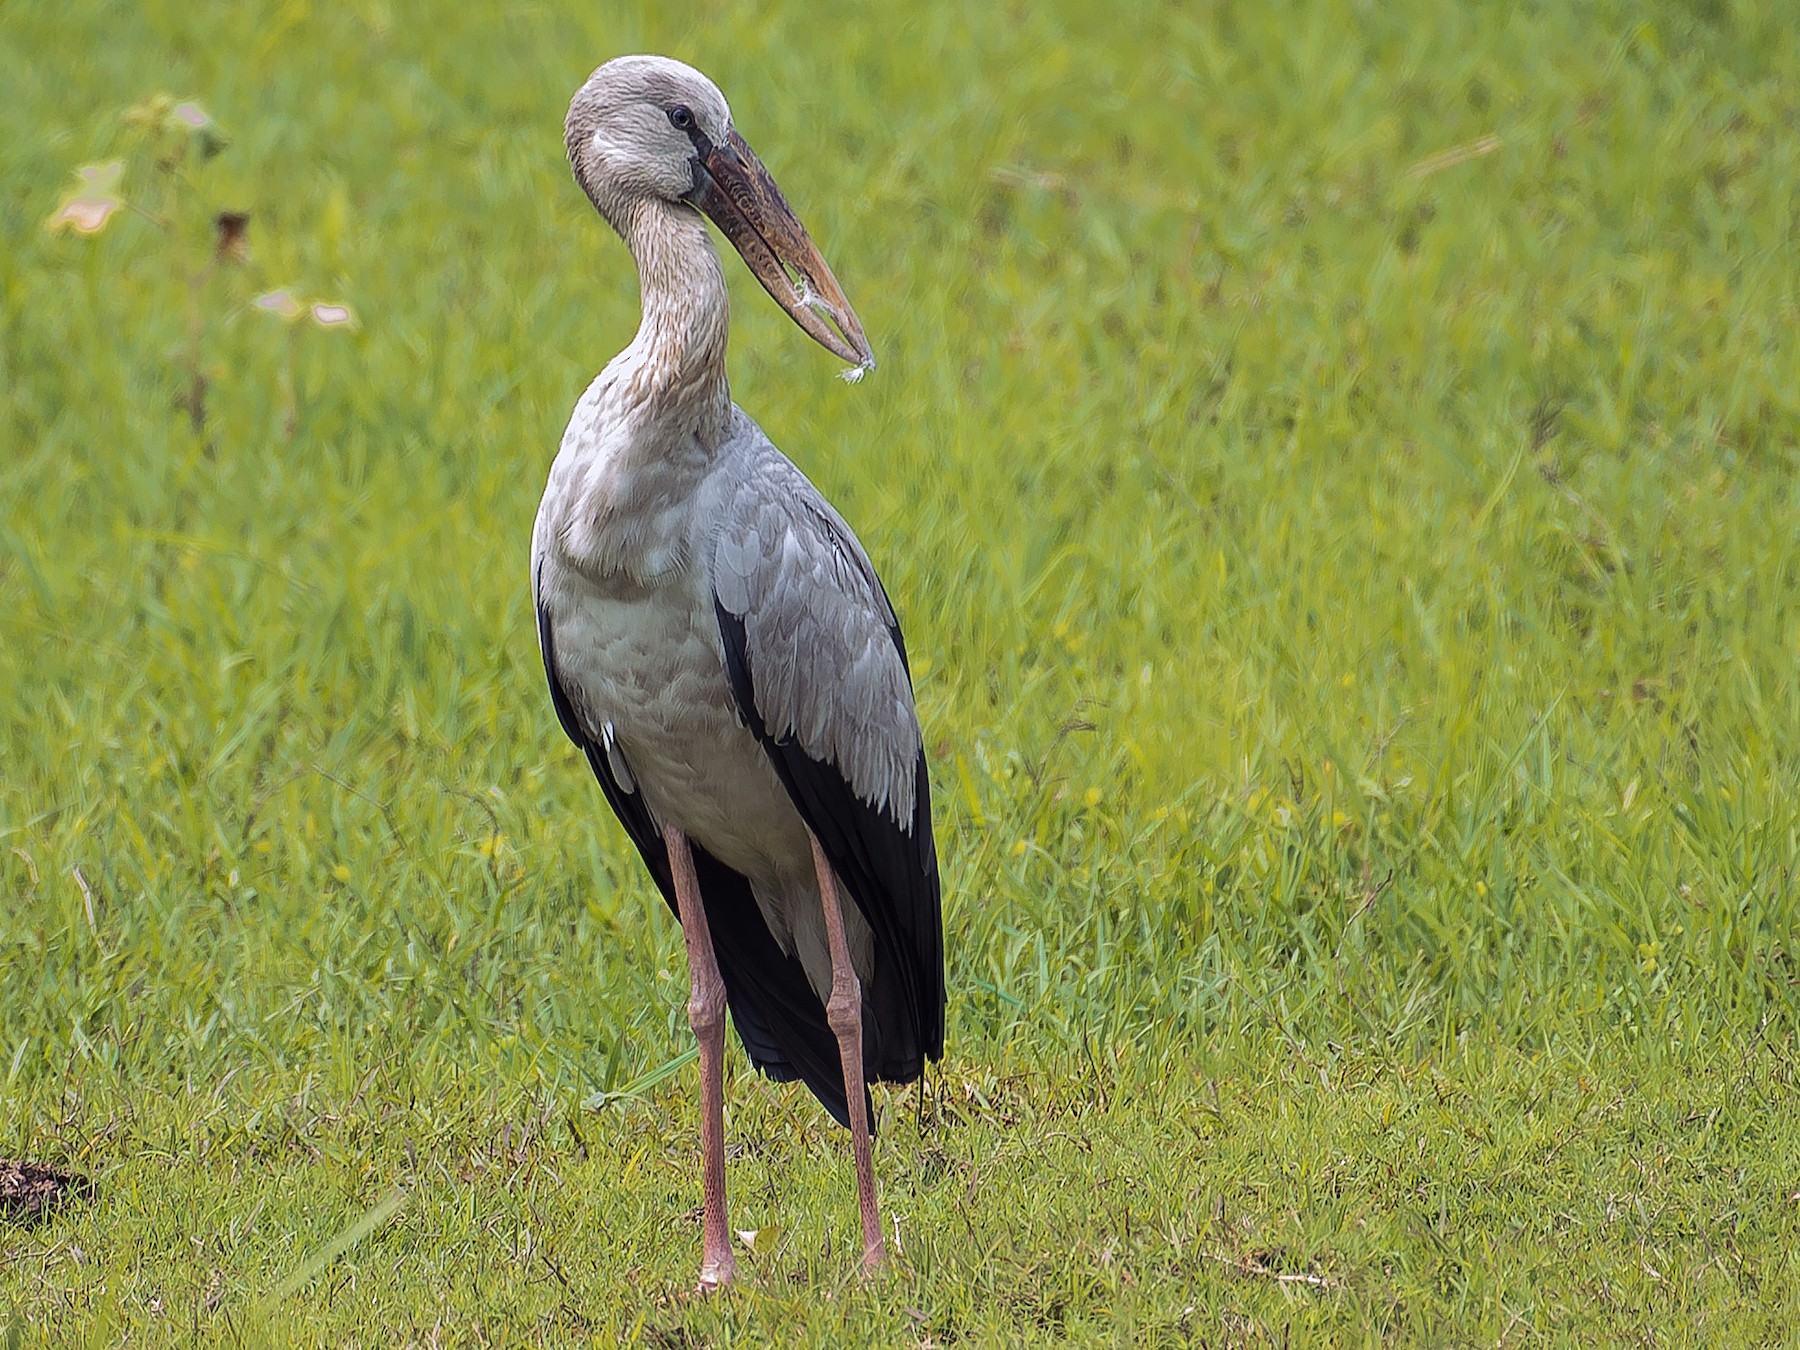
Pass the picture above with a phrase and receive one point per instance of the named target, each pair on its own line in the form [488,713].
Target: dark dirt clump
[29,1191]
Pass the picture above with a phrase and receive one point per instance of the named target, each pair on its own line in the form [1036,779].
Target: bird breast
[646,676]
[621,554]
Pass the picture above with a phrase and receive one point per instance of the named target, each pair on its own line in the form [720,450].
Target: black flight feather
[891,873]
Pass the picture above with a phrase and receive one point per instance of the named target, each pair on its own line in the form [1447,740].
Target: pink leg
[843,1012]
[706,1014]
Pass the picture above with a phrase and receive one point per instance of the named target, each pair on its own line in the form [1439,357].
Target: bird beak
[733,188]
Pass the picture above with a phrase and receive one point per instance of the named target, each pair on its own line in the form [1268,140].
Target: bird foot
[874,1260]
[715,1275]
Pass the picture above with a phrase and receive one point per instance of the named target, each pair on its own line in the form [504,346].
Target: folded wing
[817,665]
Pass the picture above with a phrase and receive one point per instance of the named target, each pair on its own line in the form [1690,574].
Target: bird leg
[706,1014]
[843,1013]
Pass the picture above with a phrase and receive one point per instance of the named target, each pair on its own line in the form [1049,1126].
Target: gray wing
[818,667]
[820,638]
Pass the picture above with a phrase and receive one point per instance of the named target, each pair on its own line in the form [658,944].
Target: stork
[720,647]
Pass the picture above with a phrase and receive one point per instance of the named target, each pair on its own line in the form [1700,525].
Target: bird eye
[681,117]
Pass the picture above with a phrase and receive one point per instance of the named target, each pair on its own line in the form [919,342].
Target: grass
[1339,467]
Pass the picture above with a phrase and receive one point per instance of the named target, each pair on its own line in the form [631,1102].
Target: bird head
[648,128]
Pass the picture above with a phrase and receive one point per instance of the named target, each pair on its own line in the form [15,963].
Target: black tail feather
[777,1014]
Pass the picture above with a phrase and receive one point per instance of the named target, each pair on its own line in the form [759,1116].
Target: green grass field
[1339,467]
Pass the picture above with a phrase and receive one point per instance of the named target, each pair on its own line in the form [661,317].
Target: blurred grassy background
[1337,467]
